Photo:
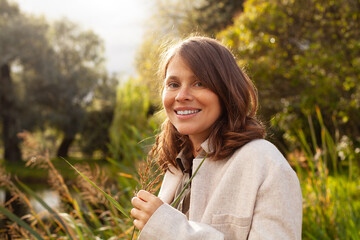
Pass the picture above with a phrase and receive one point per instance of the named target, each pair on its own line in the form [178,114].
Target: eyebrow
[172,77]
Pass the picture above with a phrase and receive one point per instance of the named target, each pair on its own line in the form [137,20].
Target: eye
[172,85]
[198,84]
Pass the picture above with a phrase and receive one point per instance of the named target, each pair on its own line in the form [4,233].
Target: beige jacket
[254,194]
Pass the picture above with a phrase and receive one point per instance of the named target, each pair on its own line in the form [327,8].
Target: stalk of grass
[20,222]
[151,184]
[331,199]
[188,183]
[47,207]
[18,195]
[118,206]
[77,229]
[84,225]
[111,199]
[93,218]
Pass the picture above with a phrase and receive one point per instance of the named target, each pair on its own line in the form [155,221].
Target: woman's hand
[145,204]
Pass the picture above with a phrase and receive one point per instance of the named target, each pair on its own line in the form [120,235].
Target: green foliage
[20,37]
[173,18]
[180,18]
[329,185]
[17,31]
[78,66]
[147,64]
[301,54]
[214,15]
[95,129]
[84,212]
[57,69]
[94,133]
[132,125]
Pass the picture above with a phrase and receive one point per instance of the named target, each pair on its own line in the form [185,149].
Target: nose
[184,94]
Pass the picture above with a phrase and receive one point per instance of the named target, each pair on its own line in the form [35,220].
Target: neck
[196,151]
[196,144]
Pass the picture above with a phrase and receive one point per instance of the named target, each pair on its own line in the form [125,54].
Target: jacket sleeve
[278,208]
[170,224]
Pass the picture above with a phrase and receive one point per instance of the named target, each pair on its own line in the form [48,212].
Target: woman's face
[190,106]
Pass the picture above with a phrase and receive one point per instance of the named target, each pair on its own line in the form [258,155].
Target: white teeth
[186,112]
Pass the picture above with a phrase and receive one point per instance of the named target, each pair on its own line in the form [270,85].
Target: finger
[138,203]
[135,213]
[146,196]
[138,214]
[138,224]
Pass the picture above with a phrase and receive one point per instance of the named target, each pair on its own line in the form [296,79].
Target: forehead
[177,66]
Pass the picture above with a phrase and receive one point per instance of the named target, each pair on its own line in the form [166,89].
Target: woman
[245,189]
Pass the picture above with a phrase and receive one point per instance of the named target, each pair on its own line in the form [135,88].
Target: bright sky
[120,23]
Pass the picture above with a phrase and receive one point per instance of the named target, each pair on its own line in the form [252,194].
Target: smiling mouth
[187,112]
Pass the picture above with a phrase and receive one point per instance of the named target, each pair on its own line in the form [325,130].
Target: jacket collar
[184,163]
[207,146]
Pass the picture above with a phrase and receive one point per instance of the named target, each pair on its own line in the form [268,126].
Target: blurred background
[78,82]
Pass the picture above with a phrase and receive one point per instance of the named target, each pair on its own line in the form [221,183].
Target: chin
[185,131]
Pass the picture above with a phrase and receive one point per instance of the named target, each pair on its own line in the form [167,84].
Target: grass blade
[108,197]
[20,222]
[46,206]
[188,183]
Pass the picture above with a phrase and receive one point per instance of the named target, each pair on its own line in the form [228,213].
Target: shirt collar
[184,163]
[207,147]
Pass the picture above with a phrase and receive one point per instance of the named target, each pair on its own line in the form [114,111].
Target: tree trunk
[65,145]
[9,116]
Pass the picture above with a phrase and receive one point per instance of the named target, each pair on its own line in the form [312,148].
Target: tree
[301,54]
[78,65]
[57,71]
[213,16]
[187,16]
[95,131]
[20,38]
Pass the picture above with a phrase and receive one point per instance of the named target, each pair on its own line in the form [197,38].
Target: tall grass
[327,168]
[84,214]
[328,173]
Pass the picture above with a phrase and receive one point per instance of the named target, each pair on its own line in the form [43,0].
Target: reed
[327,167]
[329,185]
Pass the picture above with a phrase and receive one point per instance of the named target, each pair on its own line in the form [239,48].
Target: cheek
[214,101]
[166,100]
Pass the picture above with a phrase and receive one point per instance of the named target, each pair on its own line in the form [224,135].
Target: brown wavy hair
[215,66]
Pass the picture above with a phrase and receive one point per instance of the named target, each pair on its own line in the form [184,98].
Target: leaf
[108,197]
[20,222]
